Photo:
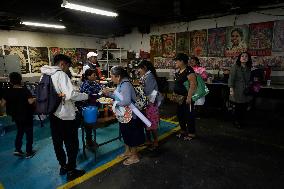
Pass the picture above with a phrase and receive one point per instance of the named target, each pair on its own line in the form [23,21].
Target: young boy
[18,101]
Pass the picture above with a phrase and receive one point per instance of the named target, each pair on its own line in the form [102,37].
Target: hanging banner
[216,41]
[260,42]
[38,58]
[198,42]
[22,52]
[236,40]
[156,45]
[278,36]
[183,42]
[169,50]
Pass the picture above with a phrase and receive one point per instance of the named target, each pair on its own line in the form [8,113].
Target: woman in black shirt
[185,85]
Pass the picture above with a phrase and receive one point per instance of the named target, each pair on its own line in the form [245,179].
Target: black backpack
[47,99]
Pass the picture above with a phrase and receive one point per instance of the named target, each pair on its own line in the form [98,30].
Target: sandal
[131,161]
[124,155]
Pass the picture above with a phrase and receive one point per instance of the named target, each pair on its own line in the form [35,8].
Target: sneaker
[19,153]
[63,170]
[30,154]
[71,175]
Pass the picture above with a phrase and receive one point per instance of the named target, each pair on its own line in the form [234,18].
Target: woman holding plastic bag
[185,78]
[130,125]
[149,82]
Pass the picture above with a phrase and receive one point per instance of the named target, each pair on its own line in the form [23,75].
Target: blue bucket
[90,114]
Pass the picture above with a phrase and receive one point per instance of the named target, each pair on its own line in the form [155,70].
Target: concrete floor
[221,157]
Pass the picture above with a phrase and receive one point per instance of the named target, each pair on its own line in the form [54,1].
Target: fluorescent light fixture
[73,6]
[43,25]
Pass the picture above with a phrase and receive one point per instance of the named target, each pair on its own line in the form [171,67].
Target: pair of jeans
[65,132]
[24,127]
[186,117]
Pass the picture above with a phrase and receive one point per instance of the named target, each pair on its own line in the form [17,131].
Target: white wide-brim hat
[90,54]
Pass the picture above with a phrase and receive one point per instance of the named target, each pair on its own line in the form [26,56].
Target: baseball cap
[90,54]
[182,57]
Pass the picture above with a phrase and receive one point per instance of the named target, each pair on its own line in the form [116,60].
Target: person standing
[238,82]
[19,105]
[92,88]
[64,128]
[92,63]
[130,125]
[150,87]
[185,110]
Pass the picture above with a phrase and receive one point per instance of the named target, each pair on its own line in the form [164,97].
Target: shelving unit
[112,62]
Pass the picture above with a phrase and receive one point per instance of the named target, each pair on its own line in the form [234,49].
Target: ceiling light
[43,25]
[73,6]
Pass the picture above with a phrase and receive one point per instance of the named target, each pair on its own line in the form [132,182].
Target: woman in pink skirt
[149,83]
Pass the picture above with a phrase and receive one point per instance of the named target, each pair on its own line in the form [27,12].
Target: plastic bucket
[90,114]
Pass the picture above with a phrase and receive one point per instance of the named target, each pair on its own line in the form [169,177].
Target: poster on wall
[71,52]
[22,52]
[38,58]
[81,54]
[168,41]
[275,62]
[156,45]
[183,42]
[198,42]
[278,36]
[260,42]
[216,41]
[236,40]
[213,63]
[54,51]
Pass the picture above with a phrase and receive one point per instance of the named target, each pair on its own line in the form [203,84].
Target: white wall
[137,41]
[35,39]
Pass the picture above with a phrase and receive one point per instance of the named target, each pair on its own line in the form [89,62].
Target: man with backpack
[64,128]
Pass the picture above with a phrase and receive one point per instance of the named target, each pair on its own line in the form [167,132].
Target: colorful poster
[22,52]
[71,52]
[228,62]
[275,62]
[236,40]
[216,41]
[168,41]
[198,42]
[159,62]
[81,54]
[183,42]
[278,36]
[260,42]
[156,45]
[38,58]
[54,51]
[213,63]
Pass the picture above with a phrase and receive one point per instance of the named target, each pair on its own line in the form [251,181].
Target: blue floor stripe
[42,170]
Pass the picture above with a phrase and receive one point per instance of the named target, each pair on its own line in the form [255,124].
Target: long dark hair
[88,73]
[248,63]
[144,64]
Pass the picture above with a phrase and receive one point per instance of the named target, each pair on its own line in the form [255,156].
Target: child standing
[92,88]
[18,101]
